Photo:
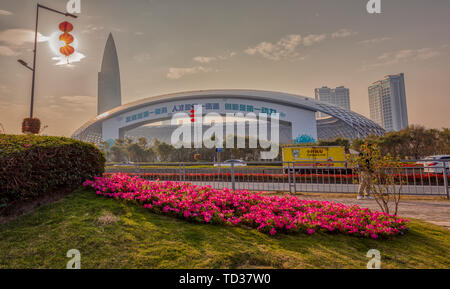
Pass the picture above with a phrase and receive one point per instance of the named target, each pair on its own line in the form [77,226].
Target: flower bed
[269,214]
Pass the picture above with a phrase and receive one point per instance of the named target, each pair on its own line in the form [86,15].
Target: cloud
[209,59]
[18,37]
[342,33]
[313,39]
[142,57]
[374,41]
[5,13]
[77,99]
[6,51]
[63,60]
[204,59]
[71,102]
[4,89]
[58,107]
[177,73]
[288,46]
[403,56]
[285,48]
[92,28]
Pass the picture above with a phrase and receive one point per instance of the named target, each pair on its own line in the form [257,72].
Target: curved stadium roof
[341,123]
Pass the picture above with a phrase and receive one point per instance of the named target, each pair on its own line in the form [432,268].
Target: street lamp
[24,64]
[33,69]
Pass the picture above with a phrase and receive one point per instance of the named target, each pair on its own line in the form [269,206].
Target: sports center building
[151,117]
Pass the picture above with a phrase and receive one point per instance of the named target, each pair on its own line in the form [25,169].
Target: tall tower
[109,93]
[387,100]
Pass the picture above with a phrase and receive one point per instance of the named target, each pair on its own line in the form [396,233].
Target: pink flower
[256,210]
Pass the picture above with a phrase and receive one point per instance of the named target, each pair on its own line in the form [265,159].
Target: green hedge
[33,166]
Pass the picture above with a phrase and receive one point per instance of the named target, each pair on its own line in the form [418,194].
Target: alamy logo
[213,137]
[74,6]
[375,261]
[374,6]
[75,262]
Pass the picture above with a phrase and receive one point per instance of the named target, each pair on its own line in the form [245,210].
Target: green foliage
[33,166]
[414,142]
[382,170]
[371,159]
[336,142]
[131,151]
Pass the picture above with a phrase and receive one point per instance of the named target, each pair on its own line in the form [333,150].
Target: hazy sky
[168,46]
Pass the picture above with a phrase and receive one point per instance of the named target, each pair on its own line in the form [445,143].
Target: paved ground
[433,211]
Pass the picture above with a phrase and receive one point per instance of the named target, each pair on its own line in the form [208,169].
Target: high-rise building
[109,93]
[387,100]
[339,96]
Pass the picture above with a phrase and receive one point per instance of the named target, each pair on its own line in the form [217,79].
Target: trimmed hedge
[32,166]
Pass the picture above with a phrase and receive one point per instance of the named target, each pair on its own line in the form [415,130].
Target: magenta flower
[268,214]
[310,231]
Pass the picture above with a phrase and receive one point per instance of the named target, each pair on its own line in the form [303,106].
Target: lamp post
[33,69]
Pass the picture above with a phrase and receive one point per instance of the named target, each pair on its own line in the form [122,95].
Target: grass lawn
[113,234]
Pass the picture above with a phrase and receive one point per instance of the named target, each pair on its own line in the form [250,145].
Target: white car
[237,163]
[435,164]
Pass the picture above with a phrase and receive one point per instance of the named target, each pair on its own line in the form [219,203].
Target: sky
[167,46]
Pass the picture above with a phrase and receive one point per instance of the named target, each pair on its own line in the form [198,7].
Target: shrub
[33,166]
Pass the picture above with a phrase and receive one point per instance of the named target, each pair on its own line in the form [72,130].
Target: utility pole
[33,69]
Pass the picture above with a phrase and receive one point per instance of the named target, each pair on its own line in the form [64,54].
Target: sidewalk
[433,211]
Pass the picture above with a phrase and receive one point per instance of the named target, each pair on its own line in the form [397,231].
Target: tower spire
[109,89]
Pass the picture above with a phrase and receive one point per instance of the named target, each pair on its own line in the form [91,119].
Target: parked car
[435,164]
[227,163]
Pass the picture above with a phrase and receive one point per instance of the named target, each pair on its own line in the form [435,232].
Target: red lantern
[67,50]
[65,26]
[66,37]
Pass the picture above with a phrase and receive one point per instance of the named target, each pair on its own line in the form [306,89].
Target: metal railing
[332,177]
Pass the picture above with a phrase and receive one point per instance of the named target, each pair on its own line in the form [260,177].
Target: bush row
[32,166]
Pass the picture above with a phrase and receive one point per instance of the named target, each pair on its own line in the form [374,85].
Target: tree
[413,142]
[385,187]
[164,151]
[336,142]
[421,141]
[135,153]
[117,154]
[142,142]
[444,141]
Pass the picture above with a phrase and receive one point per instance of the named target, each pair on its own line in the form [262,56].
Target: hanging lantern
[65,26]
[67,50]
[67,38]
